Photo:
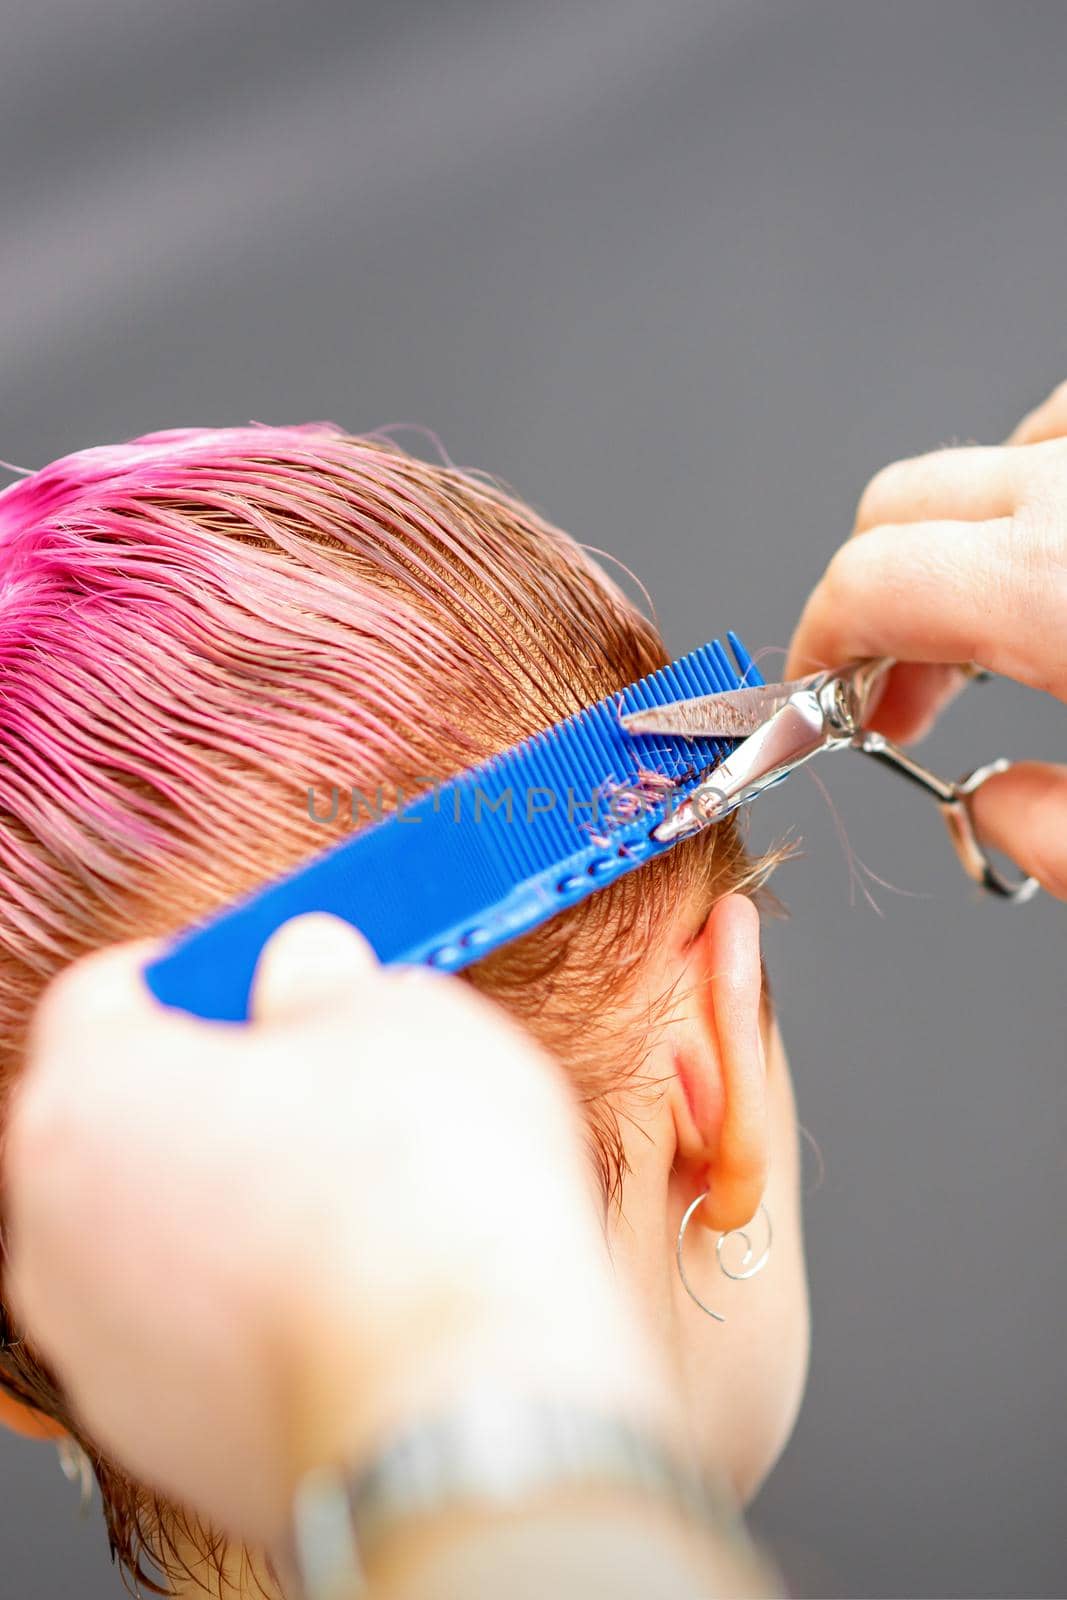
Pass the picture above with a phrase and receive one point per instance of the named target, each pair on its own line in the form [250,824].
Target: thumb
[1023,812]
[310,965]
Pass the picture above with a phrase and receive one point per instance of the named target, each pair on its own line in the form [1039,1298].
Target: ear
[721,1111]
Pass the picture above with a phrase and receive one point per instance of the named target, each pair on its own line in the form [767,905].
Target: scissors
[782,725]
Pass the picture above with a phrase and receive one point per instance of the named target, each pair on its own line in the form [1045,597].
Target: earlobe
[724,1082]
[31,1424]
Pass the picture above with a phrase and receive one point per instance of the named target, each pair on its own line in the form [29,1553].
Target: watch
[492,1453]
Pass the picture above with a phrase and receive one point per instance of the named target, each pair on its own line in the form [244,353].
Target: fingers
[310,962]
[969,484]
[104,988]
[1046,421]
[914,697]
[993,593]
[1023,812]
[958,556]
[918,593]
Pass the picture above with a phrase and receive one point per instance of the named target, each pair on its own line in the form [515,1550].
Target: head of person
[204,632]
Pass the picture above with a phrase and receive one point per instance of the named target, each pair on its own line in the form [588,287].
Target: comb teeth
[486,857]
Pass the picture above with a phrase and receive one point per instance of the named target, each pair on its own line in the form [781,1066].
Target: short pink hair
[198,626]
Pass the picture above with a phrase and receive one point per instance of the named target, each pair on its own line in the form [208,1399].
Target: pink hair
[146,649]
[197,626]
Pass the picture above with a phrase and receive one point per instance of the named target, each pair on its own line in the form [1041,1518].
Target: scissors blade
[735,714]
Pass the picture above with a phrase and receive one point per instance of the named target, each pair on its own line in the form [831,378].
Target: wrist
[491,1460]
[349,1396]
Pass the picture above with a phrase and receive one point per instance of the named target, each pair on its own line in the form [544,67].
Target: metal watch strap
[492,1453]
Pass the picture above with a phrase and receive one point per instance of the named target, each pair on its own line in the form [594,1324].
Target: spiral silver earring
[76,1468]
[748,1265]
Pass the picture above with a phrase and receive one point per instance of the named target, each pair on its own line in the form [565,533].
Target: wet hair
[199,627]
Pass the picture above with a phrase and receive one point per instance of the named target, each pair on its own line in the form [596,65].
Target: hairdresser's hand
[961,556]
[250,1251]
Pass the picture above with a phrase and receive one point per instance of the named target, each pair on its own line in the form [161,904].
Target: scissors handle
[954,800]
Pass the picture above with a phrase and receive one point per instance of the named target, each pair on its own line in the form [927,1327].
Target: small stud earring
[749,1264]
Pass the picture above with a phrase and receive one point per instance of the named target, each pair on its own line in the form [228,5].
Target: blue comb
[464,869]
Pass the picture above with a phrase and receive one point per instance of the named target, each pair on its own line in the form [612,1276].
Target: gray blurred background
[685,273]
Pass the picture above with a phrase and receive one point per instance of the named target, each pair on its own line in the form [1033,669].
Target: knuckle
[89,989]
[901,491]
[1036,542]
[840,578]
[65,995]
[881,491]
[1027,616]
